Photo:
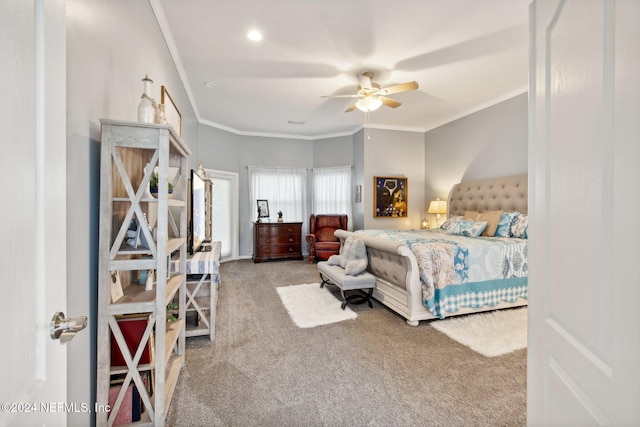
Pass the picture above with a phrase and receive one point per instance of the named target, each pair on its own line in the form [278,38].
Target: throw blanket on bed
[459,271]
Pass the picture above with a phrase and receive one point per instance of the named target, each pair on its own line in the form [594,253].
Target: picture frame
[263,208]
[116,286]
[171,112]
[390,198]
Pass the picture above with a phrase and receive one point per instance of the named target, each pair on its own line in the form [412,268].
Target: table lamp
[437,207]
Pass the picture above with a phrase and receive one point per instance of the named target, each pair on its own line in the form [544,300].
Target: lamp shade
[369,103]
[437,207]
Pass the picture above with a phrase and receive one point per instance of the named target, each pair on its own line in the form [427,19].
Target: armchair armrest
[311,241]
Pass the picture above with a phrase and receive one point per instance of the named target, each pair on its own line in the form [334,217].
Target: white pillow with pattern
[519,226]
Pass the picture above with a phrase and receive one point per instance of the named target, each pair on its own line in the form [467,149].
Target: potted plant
[153,184]
[172,311]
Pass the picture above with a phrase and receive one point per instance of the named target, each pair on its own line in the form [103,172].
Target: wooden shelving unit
[203,278]
[130,153]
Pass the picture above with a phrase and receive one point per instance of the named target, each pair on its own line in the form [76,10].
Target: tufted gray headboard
[507,193]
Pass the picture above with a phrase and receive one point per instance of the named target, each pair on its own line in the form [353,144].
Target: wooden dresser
[277,240]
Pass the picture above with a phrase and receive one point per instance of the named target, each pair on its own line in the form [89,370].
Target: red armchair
[320,241]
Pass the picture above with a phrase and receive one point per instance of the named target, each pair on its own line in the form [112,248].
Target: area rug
[491,334]
[309,305]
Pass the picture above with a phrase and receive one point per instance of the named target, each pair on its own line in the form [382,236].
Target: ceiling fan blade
[353,107]
[389,102]
[404,87]
[340,96]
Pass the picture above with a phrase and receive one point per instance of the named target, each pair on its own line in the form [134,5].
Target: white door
[584,175]
[33,367]
[225,212]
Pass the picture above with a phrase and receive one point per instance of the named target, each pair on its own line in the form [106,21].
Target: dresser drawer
[283,239]
[277,230]
[277,241]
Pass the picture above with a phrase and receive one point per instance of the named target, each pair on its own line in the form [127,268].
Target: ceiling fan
[372,96]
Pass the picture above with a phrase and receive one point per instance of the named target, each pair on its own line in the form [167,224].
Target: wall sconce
[437,207]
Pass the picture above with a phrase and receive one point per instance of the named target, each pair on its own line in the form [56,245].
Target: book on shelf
[125,412]
[131,408]
[132,328]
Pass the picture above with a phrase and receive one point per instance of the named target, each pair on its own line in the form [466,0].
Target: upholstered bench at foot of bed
[335,275]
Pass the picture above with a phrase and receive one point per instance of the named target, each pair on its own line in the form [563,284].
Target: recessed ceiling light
[254,35]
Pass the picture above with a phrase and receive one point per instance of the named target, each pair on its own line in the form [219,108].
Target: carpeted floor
[375,370]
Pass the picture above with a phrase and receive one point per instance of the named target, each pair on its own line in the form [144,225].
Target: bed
[431,274]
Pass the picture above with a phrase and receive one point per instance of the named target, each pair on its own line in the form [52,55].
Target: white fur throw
[353,257]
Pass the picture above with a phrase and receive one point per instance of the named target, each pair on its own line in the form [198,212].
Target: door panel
[33,258]
[583,286]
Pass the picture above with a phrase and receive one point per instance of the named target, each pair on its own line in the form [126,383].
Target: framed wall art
[390,198]
[171,113]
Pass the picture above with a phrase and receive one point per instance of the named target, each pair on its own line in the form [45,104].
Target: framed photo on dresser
[263,208]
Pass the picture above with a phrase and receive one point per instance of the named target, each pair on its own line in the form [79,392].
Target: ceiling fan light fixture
[254,36]
[368,104]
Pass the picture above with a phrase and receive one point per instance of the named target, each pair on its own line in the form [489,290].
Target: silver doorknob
[65,329]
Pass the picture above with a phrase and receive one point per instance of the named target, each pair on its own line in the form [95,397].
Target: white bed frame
[395,267]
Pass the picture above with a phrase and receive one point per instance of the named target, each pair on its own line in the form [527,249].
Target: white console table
[203,279]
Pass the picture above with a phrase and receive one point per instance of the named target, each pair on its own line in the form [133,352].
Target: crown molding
[397,128]
[276,135]
[161,18]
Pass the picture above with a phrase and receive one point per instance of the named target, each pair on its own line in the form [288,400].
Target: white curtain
[285,188]
[332,191]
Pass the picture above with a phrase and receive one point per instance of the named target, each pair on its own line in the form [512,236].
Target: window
[284,187]
[332,191]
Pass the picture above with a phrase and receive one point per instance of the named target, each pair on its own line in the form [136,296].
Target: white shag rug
[491,334]
[310,305]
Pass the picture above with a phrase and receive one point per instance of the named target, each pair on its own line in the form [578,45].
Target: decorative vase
[147,107]
[149,283]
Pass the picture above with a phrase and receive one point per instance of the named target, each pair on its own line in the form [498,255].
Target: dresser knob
[290,239]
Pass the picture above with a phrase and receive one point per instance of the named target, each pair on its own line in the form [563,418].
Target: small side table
[203,279]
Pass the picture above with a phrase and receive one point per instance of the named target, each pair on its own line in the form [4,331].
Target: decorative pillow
[519,226]
[353,257]
[471,215]
[504,226]
[450,221]
[468,228]
[492,218]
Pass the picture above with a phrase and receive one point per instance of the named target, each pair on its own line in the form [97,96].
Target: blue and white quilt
[458,271]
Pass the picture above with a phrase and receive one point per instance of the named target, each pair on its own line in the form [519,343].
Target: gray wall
[110,47]
[358,179]
[394,153]
[222,150]
[333,152]
[486,144]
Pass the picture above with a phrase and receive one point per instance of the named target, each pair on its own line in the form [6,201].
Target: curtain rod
[297,167]
[276,167]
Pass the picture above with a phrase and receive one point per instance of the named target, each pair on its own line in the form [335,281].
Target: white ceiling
[465,54]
